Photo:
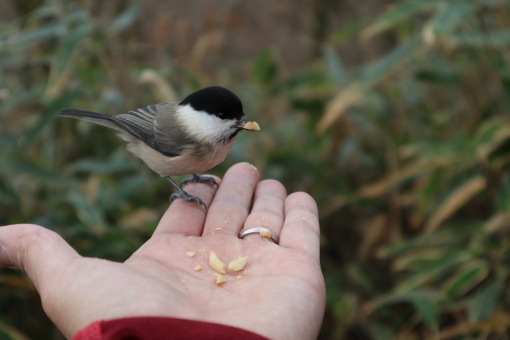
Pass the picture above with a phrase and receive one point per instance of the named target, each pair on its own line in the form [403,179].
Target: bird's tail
[94,117]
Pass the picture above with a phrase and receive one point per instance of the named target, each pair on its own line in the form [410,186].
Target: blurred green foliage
[407,156]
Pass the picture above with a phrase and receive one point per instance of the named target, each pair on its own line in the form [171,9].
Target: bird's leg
[200,179]
[183,194]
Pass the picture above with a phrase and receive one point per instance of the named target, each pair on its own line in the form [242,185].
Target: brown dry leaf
[210,41]
[429,35]
[497,222]
[11,332]
[455,201]
[499,138]
[139,217]
[163,91]
[17,281]
[343,101]
[332,205]
[391,180]
[161,32]
[498,322]
[375,29]
[216,264]
[408,262]
[372,234]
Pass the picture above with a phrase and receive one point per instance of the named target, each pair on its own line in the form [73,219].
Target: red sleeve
[155,328]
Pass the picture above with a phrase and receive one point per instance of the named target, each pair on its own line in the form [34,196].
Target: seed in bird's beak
[252,126]
[246,123]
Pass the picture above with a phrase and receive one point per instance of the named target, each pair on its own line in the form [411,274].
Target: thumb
[41,253]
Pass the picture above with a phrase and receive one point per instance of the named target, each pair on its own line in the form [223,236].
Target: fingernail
[4,257]
[252,166]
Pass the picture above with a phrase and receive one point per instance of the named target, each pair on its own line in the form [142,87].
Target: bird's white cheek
[203,126]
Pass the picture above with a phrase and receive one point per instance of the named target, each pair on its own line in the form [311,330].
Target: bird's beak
[247,124]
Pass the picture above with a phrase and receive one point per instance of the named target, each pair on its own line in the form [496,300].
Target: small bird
[183,138]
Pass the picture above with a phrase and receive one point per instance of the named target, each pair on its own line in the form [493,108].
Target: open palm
[279,294]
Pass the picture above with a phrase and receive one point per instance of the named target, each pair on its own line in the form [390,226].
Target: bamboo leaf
[457,199]
[34,172]
[432,271]
[494,38]
[130,186]
[485,301]
[91,216]
[163,91]
[397,14]
[335,67]
[399,297]
[466,278]
[343,101]
[498,222]
[392,180]
[26,97]
[8,332]
[47,116]
[381,332]
[376,71]
[17,281]
[265,69]
[139,218]
[101,167]
[61,62]
[417,258]
[428,311]
[499,321]
[491,140]
[447,19]
[25,39]
[126,18]
[503,196]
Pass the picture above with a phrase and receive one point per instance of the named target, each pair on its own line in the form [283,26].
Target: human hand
[281,295]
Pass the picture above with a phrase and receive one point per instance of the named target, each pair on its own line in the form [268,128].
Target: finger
[268,208]
[187,217]
[41,253]
[301,228]
[231,204]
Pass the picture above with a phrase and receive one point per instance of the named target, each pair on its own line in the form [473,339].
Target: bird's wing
[139,123]
[157,126]
[170,136]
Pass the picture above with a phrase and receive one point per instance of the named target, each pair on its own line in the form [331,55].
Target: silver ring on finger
[264,232]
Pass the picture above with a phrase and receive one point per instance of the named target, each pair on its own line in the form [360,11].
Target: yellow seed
[197,268]
[265,233]
[220,278]
[238,264]
[253,126]
[190,253]
[216,264]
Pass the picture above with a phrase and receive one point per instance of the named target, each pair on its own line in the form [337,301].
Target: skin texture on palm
[281,295]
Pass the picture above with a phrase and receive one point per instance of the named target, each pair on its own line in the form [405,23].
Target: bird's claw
[200,179]
[187,197]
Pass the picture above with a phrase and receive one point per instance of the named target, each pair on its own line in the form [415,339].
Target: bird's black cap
[216,100]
